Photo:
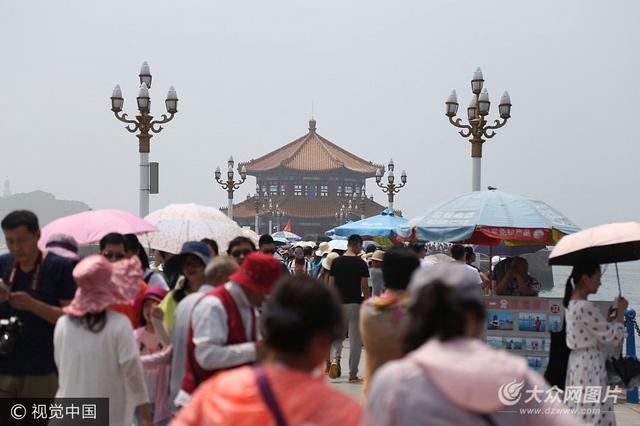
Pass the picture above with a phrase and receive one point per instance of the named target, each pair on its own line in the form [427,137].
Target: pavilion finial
[312,125]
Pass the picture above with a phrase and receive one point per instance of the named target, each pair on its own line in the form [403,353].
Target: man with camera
[34,287]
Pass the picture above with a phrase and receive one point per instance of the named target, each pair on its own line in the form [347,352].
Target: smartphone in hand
[4,291]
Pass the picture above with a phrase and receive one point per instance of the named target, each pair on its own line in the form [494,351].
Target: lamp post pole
[270,213]
[477,129]
[391,188]
[144,125]
[230,185]
[256,201]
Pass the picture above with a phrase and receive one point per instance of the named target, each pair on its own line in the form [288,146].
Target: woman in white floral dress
[588,331]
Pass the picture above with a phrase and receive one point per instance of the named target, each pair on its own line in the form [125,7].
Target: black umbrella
[610,243]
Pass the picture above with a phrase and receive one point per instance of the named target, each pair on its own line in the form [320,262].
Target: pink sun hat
[102,284]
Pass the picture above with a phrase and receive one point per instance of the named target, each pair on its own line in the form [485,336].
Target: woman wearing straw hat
[323,275]
[376,281]
[94,348]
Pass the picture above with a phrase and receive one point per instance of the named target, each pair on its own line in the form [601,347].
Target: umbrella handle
[618,278]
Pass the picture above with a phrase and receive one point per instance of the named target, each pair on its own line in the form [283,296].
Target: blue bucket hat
[196,248]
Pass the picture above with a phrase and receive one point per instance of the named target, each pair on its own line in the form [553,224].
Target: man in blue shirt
[34,288]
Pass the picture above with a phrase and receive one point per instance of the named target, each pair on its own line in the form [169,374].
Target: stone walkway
[626,414]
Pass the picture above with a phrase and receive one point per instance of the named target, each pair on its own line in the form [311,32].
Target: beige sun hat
[323,249]
[326,263]
[378,255]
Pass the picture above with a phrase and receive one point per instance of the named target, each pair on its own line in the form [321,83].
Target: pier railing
[632,329]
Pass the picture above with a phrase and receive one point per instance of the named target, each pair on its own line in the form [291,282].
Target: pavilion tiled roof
[307,207]
[311,152]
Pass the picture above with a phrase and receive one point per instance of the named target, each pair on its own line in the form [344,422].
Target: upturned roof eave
[285,169]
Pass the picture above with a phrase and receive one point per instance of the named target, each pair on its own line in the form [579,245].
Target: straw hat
[102,284]
[326,263]
[323,249]
[378,255]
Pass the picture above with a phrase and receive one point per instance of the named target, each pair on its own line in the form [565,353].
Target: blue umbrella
[384,225]
[487,217]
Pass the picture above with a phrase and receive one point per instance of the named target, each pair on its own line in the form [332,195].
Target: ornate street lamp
[477,129]
[391,188]
[265,206]
[145,125]
[361,201]
[230,185]
[272,211]
[279,216]
[256,202]
[342,214]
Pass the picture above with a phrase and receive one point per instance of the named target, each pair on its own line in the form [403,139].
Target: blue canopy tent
[488,217]
[384,225]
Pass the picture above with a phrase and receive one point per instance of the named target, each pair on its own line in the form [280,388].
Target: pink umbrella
[89,227]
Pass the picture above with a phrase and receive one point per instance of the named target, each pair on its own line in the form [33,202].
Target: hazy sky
[246,73]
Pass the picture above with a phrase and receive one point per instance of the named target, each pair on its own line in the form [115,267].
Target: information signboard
[521,325]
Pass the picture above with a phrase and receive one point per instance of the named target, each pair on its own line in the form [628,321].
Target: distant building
[310,179]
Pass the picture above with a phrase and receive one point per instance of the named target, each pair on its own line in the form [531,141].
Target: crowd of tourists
[247,335]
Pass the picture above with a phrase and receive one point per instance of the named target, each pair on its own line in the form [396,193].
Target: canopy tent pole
[491,269]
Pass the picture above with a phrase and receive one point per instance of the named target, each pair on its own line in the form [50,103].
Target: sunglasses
[113,255]
[238,253]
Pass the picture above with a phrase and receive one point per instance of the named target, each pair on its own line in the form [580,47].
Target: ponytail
[568,291]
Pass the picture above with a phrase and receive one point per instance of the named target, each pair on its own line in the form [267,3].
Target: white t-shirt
[471,274]
[474,275]
[180,337]
[100,365]
[155,279]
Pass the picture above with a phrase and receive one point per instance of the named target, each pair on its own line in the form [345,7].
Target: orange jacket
[129,310]
[233,398]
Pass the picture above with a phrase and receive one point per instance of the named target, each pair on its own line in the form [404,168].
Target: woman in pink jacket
[449,376]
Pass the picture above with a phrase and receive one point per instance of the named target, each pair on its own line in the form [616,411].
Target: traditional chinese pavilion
[310,179]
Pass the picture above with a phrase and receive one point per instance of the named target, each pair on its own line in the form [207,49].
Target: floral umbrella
[179,223]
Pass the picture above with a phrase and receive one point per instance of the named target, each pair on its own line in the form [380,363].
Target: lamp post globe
[145,74]
[477,130]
